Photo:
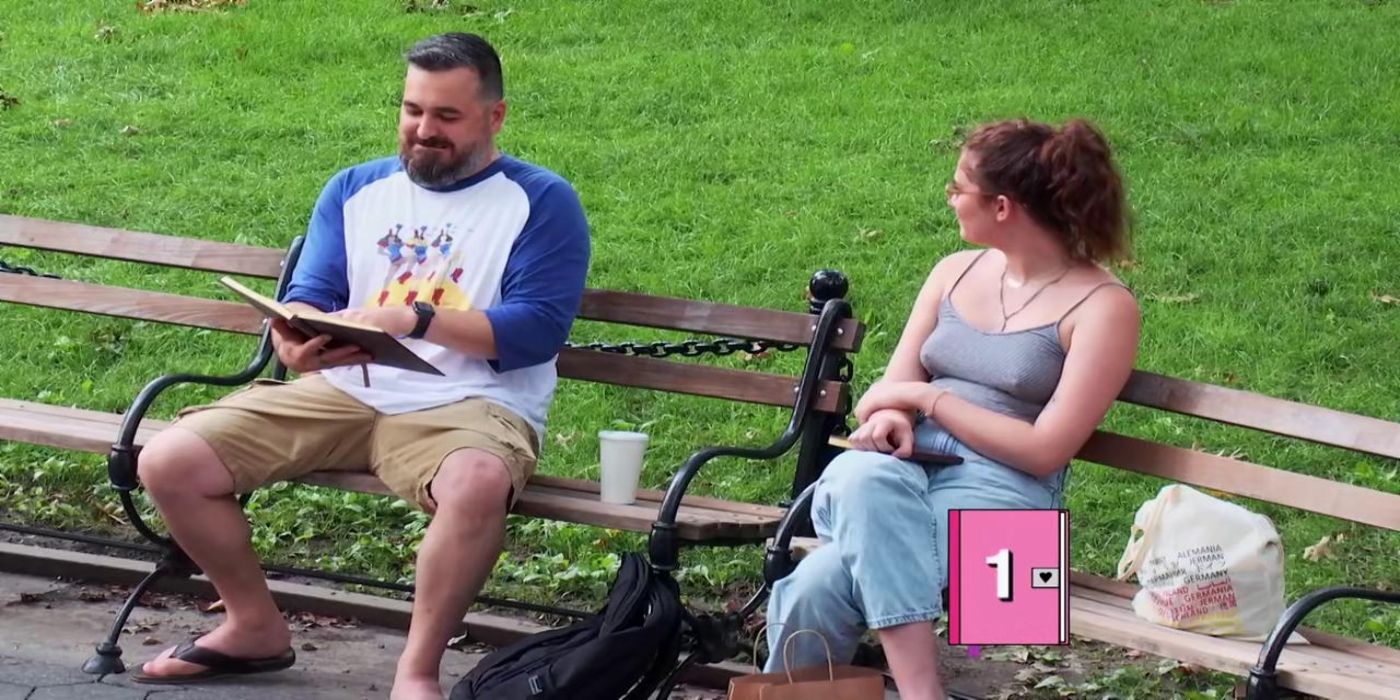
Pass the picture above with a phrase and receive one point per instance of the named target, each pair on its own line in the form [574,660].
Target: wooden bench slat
[1126,590]
[549,497]
[709,317]
[698,380]
[135,304]
[652,496]
[1242,408]
[1106,618]
[135,246]
[67,428]
[598,305]
[588,365]
[1310,493]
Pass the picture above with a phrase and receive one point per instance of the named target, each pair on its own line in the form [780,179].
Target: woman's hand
[902,396]
[888,430]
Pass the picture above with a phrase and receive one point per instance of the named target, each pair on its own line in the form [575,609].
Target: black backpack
[627,647]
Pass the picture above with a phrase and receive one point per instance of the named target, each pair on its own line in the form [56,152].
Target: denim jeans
[883,525]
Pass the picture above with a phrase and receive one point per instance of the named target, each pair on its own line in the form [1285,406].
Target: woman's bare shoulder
[953,264]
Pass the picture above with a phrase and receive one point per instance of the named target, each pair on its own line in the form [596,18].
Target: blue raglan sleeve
[320,278]
[543,282]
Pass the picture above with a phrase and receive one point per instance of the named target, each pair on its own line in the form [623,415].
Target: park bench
[1330,666]
[817,401]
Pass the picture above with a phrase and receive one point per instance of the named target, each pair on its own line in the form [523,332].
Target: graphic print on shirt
[427,270]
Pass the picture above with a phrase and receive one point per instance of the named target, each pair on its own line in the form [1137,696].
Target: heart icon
[1045,576]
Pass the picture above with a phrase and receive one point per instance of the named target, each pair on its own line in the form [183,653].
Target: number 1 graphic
[1001,561]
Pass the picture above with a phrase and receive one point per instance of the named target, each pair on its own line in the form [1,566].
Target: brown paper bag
[830,682]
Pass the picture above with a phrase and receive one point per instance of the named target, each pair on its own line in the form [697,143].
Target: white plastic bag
[1205,565]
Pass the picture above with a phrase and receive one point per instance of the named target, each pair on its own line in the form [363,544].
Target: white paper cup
[621,454]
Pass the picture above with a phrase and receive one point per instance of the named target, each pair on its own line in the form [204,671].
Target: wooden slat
[544,499]
[558,498]
[1316,670]
[1288,418]
[1375,652]
[698,380]
[706,317]
[130,303]
[588,365]
[759,512]
[135,246]
[1310,493]
[67,428]
[598,305]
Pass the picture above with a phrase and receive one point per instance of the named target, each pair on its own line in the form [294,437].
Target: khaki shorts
[277,431]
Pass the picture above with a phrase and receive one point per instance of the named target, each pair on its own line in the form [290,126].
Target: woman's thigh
[983,484]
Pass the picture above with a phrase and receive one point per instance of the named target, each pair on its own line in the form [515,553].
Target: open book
[383,347]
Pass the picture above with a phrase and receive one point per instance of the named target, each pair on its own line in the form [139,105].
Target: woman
[1011,357]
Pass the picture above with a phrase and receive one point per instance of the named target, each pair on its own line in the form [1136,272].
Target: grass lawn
[727,150]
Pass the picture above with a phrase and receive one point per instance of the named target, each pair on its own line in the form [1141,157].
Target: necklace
[1001,296]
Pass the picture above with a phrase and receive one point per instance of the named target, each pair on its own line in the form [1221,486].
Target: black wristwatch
[425,313]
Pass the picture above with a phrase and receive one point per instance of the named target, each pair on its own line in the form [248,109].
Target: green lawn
[726,150]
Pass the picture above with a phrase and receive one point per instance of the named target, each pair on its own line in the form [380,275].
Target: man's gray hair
[461,50]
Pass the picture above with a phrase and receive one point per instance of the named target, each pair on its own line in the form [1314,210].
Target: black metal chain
[688,348]
[22,270]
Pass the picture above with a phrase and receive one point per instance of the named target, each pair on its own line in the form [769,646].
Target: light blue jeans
[883,524]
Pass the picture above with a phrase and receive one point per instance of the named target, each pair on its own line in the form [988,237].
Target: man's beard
[436,170]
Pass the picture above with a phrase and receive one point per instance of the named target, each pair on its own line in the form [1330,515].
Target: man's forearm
[468,332]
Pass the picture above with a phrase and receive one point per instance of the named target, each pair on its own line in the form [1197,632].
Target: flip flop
[217,665]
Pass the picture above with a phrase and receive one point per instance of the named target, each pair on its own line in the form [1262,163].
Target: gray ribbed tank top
[1013,373]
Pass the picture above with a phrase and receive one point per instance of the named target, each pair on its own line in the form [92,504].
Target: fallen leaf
[1026,675]
[308,647]
[60,123]
[130,130]
[1050,682]
[150,641]
[1133,653]
[1317,552]
[1385,299]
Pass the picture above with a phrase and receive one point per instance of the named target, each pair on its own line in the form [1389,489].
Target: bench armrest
[121,461]
[1263,678]
[664,545]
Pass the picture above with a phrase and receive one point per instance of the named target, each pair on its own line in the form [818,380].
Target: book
[382,346]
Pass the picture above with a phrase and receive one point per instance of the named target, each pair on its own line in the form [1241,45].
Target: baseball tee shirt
[511,241]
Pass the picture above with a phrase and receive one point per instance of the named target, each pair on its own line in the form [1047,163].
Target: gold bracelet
[936,399]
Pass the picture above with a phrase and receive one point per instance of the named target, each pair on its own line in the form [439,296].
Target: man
[478,260]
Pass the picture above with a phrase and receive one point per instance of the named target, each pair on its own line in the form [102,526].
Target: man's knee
[472,482]
[178,462]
